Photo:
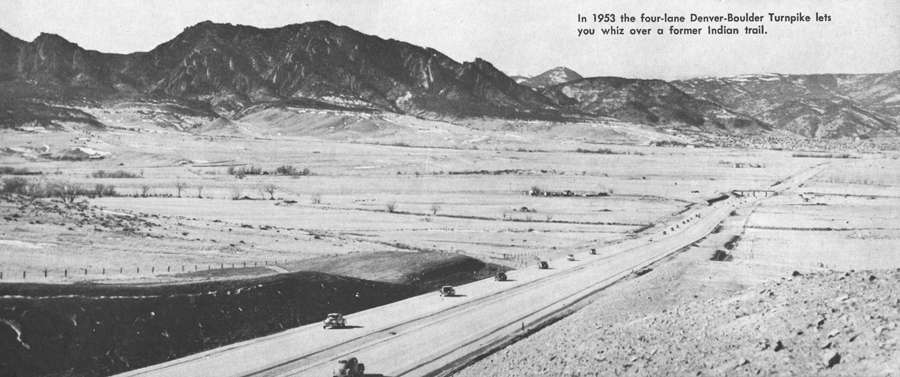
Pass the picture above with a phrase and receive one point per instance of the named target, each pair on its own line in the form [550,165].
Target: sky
[522,37]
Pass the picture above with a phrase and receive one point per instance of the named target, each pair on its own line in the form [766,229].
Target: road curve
[428,334]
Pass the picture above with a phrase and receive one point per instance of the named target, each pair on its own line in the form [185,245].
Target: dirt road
[429,334]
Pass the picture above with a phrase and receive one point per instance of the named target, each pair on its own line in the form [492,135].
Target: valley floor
[382,209]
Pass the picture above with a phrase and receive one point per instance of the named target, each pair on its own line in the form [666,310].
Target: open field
[356,198]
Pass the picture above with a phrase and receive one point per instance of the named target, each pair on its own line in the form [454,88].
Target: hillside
[821,106]
[93,330]
[653,102]
[233,66]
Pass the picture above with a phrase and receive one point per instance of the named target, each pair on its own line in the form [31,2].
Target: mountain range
[224,69]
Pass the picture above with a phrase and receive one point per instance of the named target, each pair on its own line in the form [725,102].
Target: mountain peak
[554,76]
[49,37]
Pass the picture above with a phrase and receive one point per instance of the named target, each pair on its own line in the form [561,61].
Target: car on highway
[500,276]
[350,368]
[447,291]
[543,265]
[593,251]
[570,257]
[334,321]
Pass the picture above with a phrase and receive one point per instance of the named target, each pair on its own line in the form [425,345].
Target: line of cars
[351,367]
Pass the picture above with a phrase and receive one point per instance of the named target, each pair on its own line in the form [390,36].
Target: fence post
[152,269]
[139,269]
[1,275]
[66,273]
[23,274]
[104,271]
[85,272]
[168,268]
[45,273]
[221,266]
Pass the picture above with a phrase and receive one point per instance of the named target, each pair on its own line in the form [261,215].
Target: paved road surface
[429,334]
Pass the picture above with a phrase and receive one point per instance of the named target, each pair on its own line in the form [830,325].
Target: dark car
[447,291]
[350,368]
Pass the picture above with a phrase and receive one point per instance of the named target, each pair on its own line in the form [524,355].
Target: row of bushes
[8,170]
[607,151]
[286,170]
[66,191]
[114,174]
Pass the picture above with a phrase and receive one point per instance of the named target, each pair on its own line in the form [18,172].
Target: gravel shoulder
[694,316]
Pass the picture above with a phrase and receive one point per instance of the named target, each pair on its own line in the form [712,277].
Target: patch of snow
[22,244]
[16,329]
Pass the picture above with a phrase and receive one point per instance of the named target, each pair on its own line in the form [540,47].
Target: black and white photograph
[449,188]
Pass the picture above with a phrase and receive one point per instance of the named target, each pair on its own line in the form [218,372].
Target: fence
[82,273]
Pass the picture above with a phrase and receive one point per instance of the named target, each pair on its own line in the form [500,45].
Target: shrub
[66,191]
[15,185]
[101,190]
[113,174]
[242,171]
[290,170]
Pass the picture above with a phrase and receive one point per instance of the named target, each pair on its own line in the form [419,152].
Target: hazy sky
[519,37]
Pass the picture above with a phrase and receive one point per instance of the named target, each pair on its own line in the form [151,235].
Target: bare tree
[316,198]
[435,208]
[391,207]
[200,192]
[236,192]
[145,190]
[179,187]
[66,191]
[270,189]
[101,190]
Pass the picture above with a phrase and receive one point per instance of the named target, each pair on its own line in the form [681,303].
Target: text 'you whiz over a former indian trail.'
[646,24]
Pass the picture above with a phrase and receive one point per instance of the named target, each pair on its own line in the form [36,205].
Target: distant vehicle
[334,321]
[350,368]
[500,276]
[570,257]
[543,265]
[593,251]
[447,291]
